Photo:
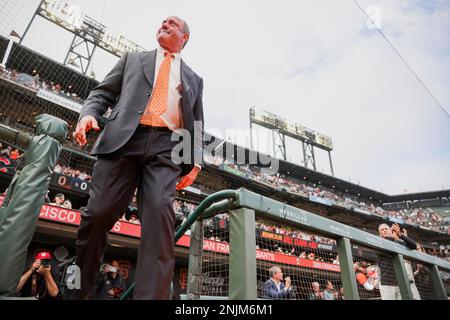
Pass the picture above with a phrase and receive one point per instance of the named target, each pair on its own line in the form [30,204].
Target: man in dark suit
[156,100]
[274,288]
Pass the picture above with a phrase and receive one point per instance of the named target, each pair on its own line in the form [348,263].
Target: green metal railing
[345,235]
[214,204]
[242,205]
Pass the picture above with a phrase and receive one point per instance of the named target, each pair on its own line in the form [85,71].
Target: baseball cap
[44,255]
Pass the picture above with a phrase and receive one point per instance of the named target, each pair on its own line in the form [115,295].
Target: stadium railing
[236,254]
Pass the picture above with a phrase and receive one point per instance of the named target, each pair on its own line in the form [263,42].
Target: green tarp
[25,197]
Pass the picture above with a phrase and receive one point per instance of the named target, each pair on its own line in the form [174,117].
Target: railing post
[402,277]
[242,284]
[195,261]
[438,285]
[344,250]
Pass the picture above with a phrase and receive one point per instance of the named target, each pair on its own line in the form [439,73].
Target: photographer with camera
[110,284]
[38,281]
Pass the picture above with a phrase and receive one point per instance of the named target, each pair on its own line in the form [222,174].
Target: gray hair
[274,270]
[382,225]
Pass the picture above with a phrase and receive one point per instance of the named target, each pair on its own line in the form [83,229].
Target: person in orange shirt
[15,154]
[155,99]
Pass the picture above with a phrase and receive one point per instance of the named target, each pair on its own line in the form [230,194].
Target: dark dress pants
[143,162]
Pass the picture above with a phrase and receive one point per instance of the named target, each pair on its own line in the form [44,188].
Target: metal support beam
[252,114]
[313,156]
[279,145]
[242,255]
[331,163]
[31,22]
[74,53]
[274,148]
[195,261]
[7,53]
[308,155]
[402,277]
[280,142]
[441,293]
[344,250]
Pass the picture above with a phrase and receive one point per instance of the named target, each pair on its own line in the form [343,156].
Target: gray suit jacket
[127,89]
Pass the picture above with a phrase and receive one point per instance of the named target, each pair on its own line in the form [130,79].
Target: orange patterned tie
[157,104]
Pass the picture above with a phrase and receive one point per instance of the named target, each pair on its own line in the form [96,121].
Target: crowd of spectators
[74,173]
[426,218]
[287,231]
[36,82]
[268,244]
[182,210]
[9,158]
[9,152]
[441,252]
[329,293]
[59,200]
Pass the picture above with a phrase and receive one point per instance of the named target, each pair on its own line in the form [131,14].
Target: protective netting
[214,278]
[308,260]
[372,268]
[422,286]
[31,83]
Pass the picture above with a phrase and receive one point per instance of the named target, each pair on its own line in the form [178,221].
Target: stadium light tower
[88,33]
[281,128]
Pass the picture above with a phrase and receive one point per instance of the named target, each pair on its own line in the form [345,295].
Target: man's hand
[287,282]
[396,230]
[188,179]
[86,123]
[36,265]
[45,271]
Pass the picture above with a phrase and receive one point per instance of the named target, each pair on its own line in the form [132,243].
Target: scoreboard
[70,183]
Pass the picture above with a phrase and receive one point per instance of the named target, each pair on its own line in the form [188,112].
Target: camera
[45,263]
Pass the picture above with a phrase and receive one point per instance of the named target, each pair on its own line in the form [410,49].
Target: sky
[320,64]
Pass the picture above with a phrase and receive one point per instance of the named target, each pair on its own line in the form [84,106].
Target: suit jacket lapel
[148,60]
